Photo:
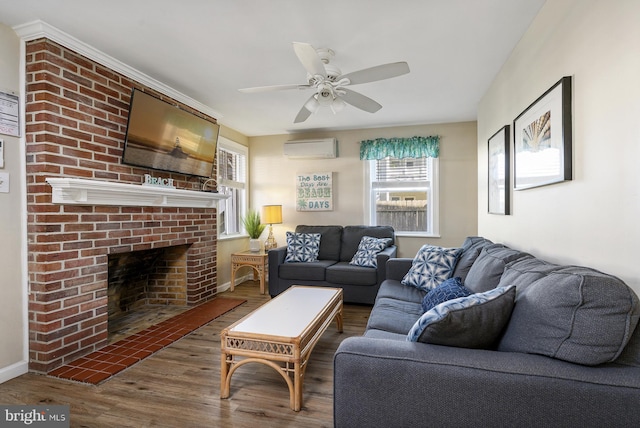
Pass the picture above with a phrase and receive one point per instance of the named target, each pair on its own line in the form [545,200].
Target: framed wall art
[542,139]
[499,177]
[314,192]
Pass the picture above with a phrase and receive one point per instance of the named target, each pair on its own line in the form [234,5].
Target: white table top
[288,314]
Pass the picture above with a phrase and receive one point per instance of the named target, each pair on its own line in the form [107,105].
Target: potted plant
[254,229]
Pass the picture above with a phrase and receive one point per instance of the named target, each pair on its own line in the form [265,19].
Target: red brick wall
[76,118]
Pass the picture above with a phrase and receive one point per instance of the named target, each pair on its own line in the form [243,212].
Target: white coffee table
[281,334]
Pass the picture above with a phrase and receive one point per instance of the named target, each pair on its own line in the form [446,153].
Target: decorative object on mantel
[80,191]
[543,139]
[271,214]
[254,229]
[158,181]
[400,148]
[314,192]
[499,177]
[205,186]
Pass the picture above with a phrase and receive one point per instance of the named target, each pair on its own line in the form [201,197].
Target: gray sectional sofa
[568,356]
[338,244]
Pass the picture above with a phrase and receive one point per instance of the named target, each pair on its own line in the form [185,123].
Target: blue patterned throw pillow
[431,267]
[302,247]
[368,249]
[475,321]
[451,288]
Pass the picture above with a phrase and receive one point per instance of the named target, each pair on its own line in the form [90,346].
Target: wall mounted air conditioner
[324,148]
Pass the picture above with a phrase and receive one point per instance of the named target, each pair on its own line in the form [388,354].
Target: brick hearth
[76,118]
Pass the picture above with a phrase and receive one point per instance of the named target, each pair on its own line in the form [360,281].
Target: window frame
[242,204]
[433,200]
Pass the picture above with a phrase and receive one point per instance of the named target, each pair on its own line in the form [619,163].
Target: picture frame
[542,139]
[499,177]
[314,191]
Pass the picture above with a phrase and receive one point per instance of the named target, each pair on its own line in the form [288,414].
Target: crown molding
[40,29]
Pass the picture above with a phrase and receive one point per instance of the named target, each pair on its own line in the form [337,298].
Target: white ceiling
[208,49]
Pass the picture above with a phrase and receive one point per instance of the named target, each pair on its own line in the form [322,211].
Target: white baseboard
[14,370]
[227,285]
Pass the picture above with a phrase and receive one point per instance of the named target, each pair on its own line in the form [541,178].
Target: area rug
[103,364]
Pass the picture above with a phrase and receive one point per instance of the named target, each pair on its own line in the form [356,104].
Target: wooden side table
[257,260]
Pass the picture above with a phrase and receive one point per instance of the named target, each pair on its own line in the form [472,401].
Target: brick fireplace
[76,118]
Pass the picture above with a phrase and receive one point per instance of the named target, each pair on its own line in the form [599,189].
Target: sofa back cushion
[330,239]
[631,354]
[470,251]
[487,269]
[351,236]
[571,313]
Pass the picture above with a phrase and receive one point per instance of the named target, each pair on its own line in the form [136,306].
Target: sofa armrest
[382,382]
[382,258]
[397,268]
[275,258]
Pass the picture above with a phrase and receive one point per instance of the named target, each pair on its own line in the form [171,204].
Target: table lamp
[271,214]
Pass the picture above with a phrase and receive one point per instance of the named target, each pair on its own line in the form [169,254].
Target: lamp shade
[271,214]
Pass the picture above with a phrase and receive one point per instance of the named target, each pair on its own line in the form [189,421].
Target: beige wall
[273,180]
[592,220]
[13,344]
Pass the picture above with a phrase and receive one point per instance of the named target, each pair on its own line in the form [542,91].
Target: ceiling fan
[330,84]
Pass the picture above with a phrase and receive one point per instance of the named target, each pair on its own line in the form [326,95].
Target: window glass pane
[232,161]
[404,211]
[401,194]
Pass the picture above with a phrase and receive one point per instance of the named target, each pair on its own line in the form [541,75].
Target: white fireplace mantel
[79,191]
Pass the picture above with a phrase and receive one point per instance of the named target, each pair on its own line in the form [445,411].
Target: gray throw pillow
[475,321]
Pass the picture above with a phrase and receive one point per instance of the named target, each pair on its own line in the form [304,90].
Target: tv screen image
[164,137]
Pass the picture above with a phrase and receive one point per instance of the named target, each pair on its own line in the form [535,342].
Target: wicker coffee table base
[287,355]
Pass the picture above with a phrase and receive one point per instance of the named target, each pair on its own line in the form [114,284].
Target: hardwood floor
[180,385]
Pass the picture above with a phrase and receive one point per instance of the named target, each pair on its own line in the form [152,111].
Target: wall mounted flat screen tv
[164,137]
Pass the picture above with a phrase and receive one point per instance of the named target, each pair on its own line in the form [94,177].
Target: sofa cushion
[351,236]
[631,354]
[312,271]
[486,271]
[525,272]
[395,289]
[451,288]
[344,273]
[394,316]
[330,239]
[574,314]
[470,251]
[382,334]
[475,321]
[302,247]
[431,266]
[368,249]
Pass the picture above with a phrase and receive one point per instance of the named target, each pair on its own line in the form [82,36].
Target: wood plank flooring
[180,385]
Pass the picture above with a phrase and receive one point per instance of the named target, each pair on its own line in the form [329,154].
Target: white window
[403,193]
[232,181]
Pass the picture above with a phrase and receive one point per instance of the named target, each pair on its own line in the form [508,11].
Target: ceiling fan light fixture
[337,105]
[325,95]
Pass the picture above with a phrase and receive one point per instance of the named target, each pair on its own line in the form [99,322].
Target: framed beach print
[499,172]
[542,139]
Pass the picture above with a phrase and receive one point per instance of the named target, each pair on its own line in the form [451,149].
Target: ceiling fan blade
[304,112]
[309,59]
[360,101]
[274,88]
[379,72]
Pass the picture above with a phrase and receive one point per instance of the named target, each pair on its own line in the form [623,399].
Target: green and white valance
[400,148]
